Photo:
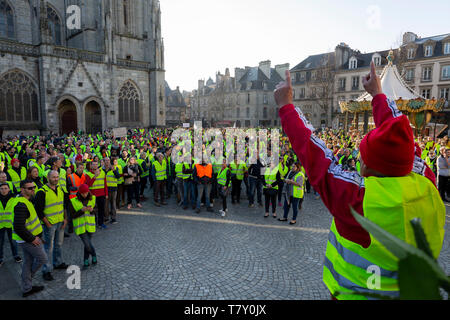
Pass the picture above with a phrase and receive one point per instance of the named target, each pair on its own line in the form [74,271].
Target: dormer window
[353,64]
[376,58]
[411,53]
[447,48]
[428,51]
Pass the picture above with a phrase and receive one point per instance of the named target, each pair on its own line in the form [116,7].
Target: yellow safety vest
[299,191]
[391,203]
[15,179]
[6,214]
[32,224]
[85,223]
[54,204]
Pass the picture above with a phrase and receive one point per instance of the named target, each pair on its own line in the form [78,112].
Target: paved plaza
[167,253]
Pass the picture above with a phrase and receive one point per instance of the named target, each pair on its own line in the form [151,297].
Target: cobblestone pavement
[168,253]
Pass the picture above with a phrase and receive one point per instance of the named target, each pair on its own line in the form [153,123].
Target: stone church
[106,72]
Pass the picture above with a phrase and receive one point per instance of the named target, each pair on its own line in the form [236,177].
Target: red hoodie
[338,188]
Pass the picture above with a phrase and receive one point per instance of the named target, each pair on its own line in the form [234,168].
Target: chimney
[342,54]
[265,68]
[238,73]
[281,70]
[409,37]
[201,84]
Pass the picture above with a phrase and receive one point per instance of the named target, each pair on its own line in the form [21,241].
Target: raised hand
[283,91]
[372,82]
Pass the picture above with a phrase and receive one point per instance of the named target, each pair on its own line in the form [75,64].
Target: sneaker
[260,204]
[66,235]
[129,207]
[34,289]
[113,221]
[157,204]
[197,210]
[94,261]
[164,203]
[103,226]
[86,264]
[222,213]
[139,205]
[18,259]
[48,276]
[251,205]
[62,266]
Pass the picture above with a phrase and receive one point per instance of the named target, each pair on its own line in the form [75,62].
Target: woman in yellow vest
[293,191]
[272,179]
[83,216]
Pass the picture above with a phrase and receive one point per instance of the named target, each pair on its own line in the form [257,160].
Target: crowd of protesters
[53,186]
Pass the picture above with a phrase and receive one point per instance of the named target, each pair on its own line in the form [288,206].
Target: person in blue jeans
[6,204]
[188,189]
[293,192]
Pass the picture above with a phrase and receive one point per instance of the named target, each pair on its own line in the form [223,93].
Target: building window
[446,73]
[411,53]
[248,98]
[238,113]
[447,48]
[297,77]
[443,93]
[353,63]
[342,82]
[377,61]
[266,101]
[129,103]
[428,51]
[302,92]
[125,12]
[410,75]
[355,83]
[54,26]
[265,112]
[313,92]
[293,94]
[426,74]
[18,99]
[6,20]
[426,93]
[247,112]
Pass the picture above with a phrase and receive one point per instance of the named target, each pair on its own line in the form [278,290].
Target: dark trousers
[280,191]
[308,186]
[270,196]
[169,185]
[133,192]
[223,194]
[120,201]
[12,242]
[443,187]
[143,184]
[295,203]
[255,184]
[236,190]
[159,190]
[100,203]
[88,247]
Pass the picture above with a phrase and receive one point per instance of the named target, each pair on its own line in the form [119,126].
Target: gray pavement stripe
[200,219]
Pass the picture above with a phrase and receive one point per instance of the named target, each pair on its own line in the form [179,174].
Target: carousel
[409,102]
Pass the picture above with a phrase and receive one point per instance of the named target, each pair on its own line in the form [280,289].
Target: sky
[202,37]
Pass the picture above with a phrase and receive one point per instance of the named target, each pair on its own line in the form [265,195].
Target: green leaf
[421,239]
[416,280]
[398,247]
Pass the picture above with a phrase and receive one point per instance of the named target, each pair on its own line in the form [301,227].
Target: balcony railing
[133,64]
[72,53]
[18,48]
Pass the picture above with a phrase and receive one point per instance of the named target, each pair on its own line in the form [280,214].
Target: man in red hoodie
[394,187]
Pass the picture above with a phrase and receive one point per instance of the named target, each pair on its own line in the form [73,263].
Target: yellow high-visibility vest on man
[394,187]
[16,178]
[160,170]
[54,204]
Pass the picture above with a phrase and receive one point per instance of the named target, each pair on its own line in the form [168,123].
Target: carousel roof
[395,88]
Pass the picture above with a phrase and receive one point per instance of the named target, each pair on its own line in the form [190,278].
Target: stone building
[107,72]
[423,62]
[245,100]
[176,108]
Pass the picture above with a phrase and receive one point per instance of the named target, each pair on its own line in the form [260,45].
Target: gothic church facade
[107,73]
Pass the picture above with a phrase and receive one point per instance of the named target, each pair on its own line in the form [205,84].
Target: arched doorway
[93,117]
[67,117]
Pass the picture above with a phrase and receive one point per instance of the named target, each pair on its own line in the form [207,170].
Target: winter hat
[83,188]
[389,149]
[78,158]
[14,160]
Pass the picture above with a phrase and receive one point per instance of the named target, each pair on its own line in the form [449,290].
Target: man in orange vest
[203,178]
[74,181]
